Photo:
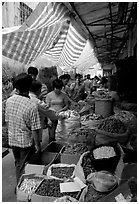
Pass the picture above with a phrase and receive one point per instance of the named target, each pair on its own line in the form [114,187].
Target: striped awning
[49,31]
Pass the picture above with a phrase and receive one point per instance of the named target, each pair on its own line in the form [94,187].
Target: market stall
[78,169]
[94,144]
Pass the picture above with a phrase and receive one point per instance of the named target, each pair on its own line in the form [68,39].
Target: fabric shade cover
[50,32]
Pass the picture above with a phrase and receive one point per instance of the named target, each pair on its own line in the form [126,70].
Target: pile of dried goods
[76,148]
[91,116]
[112,125]
[81,134]
[124,116]
[30,185]
[102,94]
[104,152]
[51,187]
[87,164]
[62,172]
[92,195]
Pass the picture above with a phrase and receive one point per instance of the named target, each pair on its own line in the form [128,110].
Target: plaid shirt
[22,117]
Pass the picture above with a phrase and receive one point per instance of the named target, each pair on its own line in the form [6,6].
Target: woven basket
[104,107]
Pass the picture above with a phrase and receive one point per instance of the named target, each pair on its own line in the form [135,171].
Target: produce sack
[128,118]
[91,120]
[61,171]
[104,107]
[65,125]
[92,124]
[79,171]
[87,163]
[105,157]
[81,135]
[112,130]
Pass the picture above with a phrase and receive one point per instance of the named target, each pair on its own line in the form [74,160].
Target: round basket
[104,137]
[104,107]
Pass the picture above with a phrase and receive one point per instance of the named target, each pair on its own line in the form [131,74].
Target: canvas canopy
[50,33]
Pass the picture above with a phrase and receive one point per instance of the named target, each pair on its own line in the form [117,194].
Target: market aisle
[8,173]
[8,178]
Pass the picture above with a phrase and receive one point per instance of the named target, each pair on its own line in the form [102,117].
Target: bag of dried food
[128,118]
[61,171]
[66,125]
[91,120]
[105,157]
[112,130]
[84,167]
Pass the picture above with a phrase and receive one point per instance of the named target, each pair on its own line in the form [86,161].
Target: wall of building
[10,14]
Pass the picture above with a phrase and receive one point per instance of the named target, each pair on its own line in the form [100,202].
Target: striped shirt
[22,117]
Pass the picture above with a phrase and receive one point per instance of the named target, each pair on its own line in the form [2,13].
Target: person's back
[20,116]
[23,122]
[87,84]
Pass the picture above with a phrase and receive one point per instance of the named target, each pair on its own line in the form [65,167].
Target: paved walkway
[8,173]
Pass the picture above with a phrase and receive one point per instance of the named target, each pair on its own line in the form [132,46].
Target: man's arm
[45,111]
[35,135]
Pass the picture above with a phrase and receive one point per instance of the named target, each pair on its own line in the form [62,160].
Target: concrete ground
[8,173]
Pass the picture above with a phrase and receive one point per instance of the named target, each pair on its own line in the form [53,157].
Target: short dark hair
[88,76]
[78,76]
[65,76]
[33,70]
[58,84]
[103,80]
[23,82]
[35,86]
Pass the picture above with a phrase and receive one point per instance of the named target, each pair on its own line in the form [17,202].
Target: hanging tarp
[34,38]
[87,58]
[50,32]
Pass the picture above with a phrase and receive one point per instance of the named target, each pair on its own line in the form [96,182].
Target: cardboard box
[49,155]
[22,196]
[34,169]
[39,198]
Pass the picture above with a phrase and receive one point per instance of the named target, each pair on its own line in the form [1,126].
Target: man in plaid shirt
[23,122]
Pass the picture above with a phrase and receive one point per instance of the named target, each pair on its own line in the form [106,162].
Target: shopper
[57,101]
[23,121]
[87,84]
[78,89]
[33,72]
[44,111]
[65,79]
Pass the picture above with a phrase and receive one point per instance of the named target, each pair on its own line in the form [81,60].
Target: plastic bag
[49,171]
[66,125]
[79,169]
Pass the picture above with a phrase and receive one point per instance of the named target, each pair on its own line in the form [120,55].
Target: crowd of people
[32,108]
